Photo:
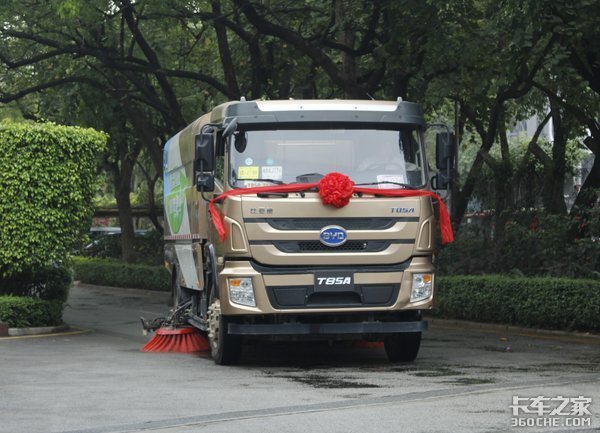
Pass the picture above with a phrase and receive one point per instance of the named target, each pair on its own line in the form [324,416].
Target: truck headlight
[422,287]
[241,291]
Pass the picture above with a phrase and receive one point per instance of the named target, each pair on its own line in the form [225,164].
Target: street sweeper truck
[304,219]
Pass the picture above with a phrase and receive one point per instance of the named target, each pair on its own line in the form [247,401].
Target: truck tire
[225,348]
[402,347]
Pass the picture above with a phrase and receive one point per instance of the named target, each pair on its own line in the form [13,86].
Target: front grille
[317,246]
[319,223]
[365,295]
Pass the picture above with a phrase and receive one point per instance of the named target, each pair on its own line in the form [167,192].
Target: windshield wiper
[275,181]
[309,177]
[403,185]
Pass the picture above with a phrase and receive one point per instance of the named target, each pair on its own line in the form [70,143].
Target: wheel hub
[214,314]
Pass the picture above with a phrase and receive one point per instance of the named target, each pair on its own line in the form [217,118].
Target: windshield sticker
[274,172]
[395,178]
[248,161]
[248,172]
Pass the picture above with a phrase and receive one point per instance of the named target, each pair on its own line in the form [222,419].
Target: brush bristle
[188,342]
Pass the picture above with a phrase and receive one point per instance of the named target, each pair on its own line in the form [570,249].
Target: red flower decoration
[335,189]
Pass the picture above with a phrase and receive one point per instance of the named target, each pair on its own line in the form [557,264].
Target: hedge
[550,303]
[23,311]
[50,283]
[113,273]
[47,182]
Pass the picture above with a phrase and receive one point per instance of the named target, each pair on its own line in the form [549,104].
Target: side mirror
[444,150]
[205,161]
[205,182]
[205,152]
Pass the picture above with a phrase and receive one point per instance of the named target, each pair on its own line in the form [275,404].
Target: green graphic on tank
[175,200]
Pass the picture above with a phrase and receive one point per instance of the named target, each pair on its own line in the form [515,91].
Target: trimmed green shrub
[51,283]
[551,303]
[118,274]
[47,181]
[23,311]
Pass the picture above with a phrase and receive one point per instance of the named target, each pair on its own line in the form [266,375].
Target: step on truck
[303,219]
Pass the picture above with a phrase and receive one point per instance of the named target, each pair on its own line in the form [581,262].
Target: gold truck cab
[290,266]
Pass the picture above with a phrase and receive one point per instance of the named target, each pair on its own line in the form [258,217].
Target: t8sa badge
[333,236]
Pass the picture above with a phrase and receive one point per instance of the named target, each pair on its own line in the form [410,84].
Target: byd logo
[334,281]
[333,236]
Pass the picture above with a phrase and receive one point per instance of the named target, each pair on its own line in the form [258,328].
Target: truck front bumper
[327,328]
[291,290]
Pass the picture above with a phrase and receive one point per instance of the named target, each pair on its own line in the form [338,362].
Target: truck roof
[319,111]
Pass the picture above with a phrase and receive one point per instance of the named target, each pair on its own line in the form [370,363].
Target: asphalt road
[98,380]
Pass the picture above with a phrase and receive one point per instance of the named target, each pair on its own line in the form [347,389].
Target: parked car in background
[106,242]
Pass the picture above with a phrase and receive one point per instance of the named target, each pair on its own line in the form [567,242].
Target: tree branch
[5,98]
[224,51]
[32,60]
[534,147]
[293,38]
[161,78]
[583,117]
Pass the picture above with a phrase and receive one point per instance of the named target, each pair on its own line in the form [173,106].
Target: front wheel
[225,348]
[403,347]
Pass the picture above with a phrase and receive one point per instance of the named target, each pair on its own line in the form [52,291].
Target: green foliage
[113,273]
[46,187]
[144,71]
[551,303]
[527,177]
[50,283]
[534,243]
[23,311]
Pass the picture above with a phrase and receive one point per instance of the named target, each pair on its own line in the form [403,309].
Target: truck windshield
[384,158]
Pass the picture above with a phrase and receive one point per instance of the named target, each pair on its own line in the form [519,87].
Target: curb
[38,330]
[580,337]
[81,284]
[44,332]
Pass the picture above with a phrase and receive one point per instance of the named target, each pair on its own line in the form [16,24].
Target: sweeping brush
[173,334]
[177,339]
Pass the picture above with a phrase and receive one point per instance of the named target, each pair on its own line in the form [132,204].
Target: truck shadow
[313,354]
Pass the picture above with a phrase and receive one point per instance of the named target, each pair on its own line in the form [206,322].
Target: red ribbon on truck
[336,190]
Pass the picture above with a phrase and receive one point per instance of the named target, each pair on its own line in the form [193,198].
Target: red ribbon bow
[336,190]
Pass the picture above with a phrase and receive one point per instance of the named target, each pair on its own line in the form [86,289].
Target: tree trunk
[503,175]
[346,38]
[122,173]
[487,140]
[122,191]
[587,197]
[554,201]
[152,205]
